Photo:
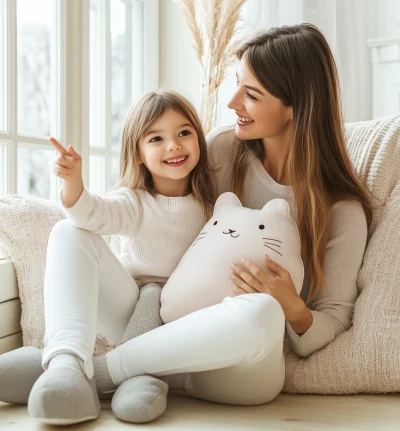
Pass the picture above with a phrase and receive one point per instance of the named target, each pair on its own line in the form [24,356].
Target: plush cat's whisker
[273,249]
[270,243]
[272,239]
[198,239]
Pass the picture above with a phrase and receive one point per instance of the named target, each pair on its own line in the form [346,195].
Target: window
[69,69]
[116,78]
[30,95]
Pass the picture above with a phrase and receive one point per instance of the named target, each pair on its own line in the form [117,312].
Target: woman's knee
[259,312]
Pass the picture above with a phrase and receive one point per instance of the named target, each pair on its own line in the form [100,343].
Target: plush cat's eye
[215,223]
[261,226]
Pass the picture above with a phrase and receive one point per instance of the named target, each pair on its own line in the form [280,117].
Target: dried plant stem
[213,28]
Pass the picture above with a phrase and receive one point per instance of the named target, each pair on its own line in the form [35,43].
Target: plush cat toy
[202,277]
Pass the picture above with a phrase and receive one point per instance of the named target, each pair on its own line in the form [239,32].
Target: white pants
[230,353]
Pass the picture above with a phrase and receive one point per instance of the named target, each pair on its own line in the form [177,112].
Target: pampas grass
[213,24]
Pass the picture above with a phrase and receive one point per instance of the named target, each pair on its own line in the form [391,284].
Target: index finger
[59,147]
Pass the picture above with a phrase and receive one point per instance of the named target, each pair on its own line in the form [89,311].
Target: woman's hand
[279,285]
[68,165]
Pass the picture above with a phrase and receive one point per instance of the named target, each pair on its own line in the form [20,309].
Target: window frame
[72,128]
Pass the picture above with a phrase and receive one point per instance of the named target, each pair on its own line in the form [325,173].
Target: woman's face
[260,114]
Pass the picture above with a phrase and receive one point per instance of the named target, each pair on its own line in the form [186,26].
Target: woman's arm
[115,214]
[220,143]
[332,311]
[301,320]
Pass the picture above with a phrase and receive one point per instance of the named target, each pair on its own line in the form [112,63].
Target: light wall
[179,68]
[346,24]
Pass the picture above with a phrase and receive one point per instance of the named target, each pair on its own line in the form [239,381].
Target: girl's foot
[19,370]
[63,395]
[140,399]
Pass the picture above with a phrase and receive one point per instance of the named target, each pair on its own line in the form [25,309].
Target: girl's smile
[176,161]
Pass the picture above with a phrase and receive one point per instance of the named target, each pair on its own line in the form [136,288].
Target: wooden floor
[286,412]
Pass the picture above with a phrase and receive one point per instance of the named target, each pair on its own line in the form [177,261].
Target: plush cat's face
[233,227]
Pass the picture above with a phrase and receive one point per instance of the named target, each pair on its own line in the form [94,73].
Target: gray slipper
[19,370]
[64,396]
[140,399]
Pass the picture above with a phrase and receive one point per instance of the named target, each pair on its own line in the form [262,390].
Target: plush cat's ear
[227,200]
[280,205]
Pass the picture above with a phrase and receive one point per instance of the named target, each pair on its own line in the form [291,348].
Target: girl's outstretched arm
[115,214]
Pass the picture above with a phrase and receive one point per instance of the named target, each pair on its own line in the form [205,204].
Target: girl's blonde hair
[139,119]
[295,64]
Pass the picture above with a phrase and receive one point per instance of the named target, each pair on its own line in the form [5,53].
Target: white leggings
[230,353]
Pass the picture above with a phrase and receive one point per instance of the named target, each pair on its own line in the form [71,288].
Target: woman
[288,143]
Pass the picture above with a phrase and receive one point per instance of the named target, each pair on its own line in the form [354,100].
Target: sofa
[364,359]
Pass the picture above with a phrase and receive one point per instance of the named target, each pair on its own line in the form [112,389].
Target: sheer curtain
[347,25]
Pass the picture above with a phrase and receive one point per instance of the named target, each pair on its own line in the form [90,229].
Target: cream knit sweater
[332,311]
[152,241]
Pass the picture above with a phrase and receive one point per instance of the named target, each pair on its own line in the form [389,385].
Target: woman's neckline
[266,178]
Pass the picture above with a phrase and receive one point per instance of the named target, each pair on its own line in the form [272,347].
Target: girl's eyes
[184,133]
[181,134]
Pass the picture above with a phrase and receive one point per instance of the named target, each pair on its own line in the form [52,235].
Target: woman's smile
[244,121]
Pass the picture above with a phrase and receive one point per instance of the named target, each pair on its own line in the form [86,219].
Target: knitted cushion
[374,149]
[25,225]
[366,358]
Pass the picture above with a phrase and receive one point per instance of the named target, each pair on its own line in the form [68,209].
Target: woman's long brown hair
[296,65]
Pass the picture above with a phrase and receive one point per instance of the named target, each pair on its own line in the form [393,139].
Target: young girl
[158,208]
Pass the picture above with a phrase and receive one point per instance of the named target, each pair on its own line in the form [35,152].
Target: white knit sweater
[152,241]
[332,311]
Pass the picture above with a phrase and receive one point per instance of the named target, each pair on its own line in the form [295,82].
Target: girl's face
[260,114]
[170,151]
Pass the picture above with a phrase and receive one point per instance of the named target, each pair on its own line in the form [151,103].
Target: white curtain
[346,24]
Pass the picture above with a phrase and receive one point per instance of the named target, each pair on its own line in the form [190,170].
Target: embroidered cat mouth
[230,233]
